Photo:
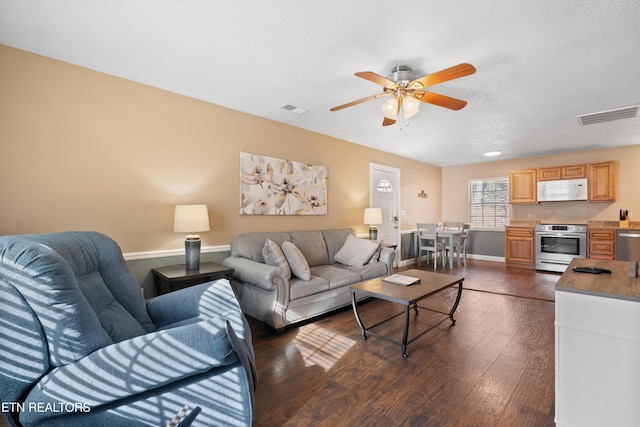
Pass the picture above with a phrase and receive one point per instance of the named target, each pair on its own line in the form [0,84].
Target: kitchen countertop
[633,225]
[523,223]
[617,285]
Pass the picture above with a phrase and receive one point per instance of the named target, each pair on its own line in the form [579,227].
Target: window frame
[500,202]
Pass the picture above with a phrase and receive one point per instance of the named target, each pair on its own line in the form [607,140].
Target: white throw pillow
[297,262]
[273,255]
[356,252]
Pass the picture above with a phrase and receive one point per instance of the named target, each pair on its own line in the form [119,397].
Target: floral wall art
[271,186]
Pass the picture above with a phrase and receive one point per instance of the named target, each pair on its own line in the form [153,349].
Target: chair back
[465,230]
[452,225]
[426,226]
[77,286]
[428,239]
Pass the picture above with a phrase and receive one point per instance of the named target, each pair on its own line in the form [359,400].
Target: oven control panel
[570,228]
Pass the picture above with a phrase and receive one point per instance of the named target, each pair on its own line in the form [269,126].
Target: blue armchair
[80,346]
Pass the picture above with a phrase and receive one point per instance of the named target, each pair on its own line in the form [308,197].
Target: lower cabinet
[602,244]
[519,247]
[597,355]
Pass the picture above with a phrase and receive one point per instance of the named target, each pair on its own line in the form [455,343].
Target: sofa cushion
[312,246]
[335,240]
[299,288]
[368,271]
[249,245]
[356,252]
[274,256]
[337,277]
[297,261]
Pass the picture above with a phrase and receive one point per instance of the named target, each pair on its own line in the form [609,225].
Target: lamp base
[373,232]
[192,253]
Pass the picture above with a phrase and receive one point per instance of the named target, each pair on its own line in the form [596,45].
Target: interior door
[385,194]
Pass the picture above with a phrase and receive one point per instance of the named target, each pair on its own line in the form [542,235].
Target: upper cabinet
[523,186]
[602,182]
[562,172]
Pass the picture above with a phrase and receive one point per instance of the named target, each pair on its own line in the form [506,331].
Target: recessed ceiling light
[492,153]
[294,109]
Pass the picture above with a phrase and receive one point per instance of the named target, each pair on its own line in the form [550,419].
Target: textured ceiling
[539,64]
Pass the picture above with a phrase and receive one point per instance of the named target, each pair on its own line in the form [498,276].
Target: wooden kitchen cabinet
[602,182]
[523,186]
[574,172]
[562,172]
[602,243]
[519,247]
[549,174]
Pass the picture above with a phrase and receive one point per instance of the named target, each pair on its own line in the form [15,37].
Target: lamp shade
[191,219]
[390,108]
[410,106]
[373,216]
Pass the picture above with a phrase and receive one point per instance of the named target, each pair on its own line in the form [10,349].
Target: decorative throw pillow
[273,255]
[297,261]
[356,252]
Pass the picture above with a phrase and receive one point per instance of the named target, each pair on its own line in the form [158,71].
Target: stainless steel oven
[558,244]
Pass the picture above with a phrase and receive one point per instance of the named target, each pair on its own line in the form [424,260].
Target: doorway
[385,194]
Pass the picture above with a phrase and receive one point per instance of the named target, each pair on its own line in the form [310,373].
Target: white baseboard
[135,256]
[412,261]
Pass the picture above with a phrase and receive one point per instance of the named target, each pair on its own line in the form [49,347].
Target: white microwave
[562,190]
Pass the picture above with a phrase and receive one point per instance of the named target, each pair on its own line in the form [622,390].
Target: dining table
[453,236]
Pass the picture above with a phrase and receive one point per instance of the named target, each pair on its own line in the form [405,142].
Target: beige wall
[455,181]
[86,151]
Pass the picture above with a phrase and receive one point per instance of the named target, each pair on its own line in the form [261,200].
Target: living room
[86,150]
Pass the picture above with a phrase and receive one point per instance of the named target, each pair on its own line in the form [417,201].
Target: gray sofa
[273,291]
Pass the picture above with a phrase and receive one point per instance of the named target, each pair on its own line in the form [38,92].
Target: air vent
[294,109]
[608,116]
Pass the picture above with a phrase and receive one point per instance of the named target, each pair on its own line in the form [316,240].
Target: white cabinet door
[597,361]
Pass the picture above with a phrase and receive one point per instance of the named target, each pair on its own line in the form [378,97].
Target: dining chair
[462,243]
[428,242]
[452,225]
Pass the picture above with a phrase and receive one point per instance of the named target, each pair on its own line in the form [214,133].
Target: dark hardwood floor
[494,367]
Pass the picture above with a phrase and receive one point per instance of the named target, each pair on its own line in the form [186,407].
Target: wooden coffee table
[430,284]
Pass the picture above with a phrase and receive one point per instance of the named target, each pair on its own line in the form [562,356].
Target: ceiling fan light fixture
[410,106]
[390,108]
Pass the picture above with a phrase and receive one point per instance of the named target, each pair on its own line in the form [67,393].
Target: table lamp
[373,216]
[191,219]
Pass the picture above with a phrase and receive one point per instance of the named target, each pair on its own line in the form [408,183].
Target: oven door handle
[577,236]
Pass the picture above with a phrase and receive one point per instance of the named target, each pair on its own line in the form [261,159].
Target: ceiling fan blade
[376,78]
[454,72]
[387,121]
[359,101]
[440,100]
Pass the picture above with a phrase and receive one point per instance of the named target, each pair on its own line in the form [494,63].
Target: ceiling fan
[407,92]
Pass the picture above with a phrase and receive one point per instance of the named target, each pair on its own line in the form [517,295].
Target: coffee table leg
[354,304]
[405,333]
[455,305]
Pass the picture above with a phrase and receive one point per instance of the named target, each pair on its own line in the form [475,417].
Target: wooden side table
[174,277]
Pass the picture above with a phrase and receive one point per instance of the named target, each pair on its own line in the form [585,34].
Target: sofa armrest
[387,256]
[141,364]
[255,273]
[206,300]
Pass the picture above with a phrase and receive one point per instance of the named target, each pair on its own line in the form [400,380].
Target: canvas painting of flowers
[271,186]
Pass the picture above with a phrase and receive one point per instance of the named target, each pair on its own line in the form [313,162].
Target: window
[385,186]
[489,202]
